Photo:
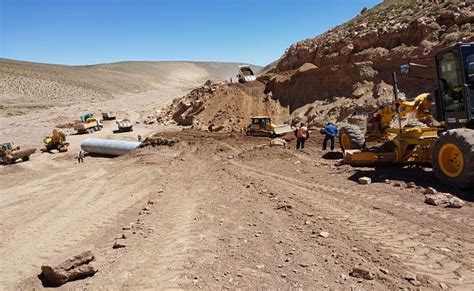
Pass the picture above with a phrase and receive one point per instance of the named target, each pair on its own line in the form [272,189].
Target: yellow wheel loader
[405,132]
[57,141]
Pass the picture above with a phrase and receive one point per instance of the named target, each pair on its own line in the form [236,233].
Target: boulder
[360,272]
[365,180]
[409,276]
[436,199]
[64,269]
[430,190]
[455,202]
[278,142]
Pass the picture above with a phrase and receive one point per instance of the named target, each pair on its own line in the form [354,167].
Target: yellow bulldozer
[57,141]
[405,132]
[263,126]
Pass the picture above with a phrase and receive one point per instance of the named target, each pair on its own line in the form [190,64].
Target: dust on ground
[222,210]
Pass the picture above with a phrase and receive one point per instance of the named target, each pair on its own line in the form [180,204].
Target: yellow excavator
[57,141]
[405,132]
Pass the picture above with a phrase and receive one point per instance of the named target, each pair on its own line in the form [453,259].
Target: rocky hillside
[354,61]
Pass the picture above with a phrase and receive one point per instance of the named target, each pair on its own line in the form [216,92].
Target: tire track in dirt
[415,251]
[157,259]
[67,213]
[448,216]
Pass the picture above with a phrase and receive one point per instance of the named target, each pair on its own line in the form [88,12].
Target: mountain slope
[355,60]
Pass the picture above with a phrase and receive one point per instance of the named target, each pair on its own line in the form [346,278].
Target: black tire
[26,158]
[354,134]
[463,139]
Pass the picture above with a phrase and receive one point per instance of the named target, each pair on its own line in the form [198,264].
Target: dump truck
[444,139]
[88,127]
[109,115]
[245,74]
[88,117]
[263,126]
[124,125]
[57,141]
[10,154]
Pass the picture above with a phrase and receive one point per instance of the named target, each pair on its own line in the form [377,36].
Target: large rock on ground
[436,199]
[64,269]
[455,202]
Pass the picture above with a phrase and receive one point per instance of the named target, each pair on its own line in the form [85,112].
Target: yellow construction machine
[57,141]
[263,126]
[405,132]
[10,154]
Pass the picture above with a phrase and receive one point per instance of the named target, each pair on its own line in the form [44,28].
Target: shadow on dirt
[333,156]
[46,284]
[93,155]
[421,176]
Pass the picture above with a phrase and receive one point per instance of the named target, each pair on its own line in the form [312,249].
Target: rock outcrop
[363,53]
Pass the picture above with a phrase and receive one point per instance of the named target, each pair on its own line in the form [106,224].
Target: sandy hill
[25,85]
[347,68]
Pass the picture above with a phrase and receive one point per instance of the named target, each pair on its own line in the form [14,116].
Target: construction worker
[80,157]
[139,138]
[330,132]
[302,135]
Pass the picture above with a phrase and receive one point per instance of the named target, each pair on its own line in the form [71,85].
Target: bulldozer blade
[366,158]
[282,129]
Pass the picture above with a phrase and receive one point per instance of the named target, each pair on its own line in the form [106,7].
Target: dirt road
[226,211]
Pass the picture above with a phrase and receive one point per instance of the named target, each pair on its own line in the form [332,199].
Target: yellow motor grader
[405,132]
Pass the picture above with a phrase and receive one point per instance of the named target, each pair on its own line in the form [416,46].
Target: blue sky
[78,32]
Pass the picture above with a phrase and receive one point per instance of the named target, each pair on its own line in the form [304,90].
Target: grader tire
[351,137]
[453,158]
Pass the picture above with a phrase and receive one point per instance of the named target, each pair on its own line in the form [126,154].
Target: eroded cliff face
[363,53]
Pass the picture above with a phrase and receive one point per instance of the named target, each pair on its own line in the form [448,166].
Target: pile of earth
[347,69]
[223,107]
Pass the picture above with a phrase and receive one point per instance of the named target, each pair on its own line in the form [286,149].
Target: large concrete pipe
[108,147]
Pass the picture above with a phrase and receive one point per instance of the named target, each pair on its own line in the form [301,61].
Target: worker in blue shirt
[330,132]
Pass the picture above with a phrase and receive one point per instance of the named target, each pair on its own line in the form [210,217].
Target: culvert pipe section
[108,147]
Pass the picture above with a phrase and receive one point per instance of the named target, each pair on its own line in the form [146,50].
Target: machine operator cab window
[468,60]
[451,82]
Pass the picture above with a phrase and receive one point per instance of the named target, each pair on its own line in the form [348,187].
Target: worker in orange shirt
[302,135]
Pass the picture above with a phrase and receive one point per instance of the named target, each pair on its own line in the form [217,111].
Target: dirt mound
[367,49]
[155,141]
[223,107]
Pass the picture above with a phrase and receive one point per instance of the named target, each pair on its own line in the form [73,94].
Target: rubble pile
[222,107]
